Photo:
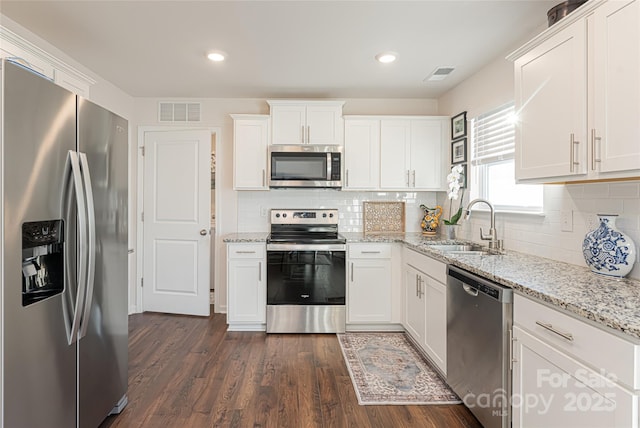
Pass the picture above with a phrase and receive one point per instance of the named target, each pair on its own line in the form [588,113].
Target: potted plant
[455,191]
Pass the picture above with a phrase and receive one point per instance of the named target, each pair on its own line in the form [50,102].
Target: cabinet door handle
[308,134]
[512,341]
[413,173]
[594,139]
[346,173]
[351,271]
[302,134]
[417,289]
[407,178]
[264,178]
[572,152]
[260,271]
[552,329]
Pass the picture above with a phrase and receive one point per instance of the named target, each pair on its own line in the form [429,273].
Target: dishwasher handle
[470,290]
[474,285]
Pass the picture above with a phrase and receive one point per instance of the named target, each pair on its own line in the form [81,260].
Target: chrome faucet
[495,243]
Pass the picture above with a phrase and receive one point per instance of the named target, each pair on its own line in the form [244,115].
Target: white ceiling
[315,49]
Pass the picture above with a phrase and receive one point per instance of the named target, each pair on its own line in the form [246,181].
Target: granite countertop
[246,237]
[609,301]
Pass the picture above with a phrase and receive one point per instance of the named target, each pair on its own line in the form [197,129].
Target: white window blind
[494,136]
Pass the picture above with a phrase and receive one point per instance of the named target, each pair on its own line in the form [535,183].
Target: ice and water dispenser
[42,260]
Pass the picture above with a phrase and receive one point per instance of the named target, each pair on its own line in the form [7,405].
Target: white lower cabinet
[369,294]
[246,286]
[567,373]
[425,310]
[415,308]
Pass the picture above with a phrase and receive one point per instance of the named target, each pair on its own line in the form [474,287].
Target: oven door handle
[306,247]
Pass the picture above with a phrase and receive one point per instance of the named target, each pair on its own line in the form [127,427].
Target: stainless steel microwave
[305,166]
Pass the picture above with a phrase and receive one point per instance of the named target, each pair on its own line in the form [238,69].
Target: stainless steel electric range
[306,281]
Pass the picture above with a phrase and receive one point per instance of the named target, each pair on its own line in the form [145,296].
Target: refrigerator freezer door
[103,354]
[39,367]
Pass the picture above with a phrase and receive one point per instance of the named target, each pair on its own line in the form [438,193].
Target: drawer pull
[370,252]
[551,328]
[245,252]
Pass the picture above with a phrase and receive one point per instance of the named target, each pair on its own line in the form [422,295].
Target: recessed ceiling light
[386,57]
[216,56]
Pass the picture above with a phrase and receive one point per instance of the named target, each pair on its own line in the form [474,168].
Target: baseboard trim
[375,327]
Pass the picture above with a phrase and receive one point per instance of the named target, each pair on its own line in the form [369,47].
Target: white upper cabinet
[306,122]
[577,92]
[250,141]
[411,153]
[551,101]
[361,154]
[615,134]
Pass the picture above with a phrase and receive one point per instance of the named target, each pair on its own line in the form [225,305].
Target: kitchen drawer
[593,345]
[246,251]
[434,268]
[370,251]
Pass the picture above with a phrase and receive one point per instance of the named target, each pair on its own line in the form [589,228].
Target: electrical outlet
[263,211]
[591,221]
[566,221]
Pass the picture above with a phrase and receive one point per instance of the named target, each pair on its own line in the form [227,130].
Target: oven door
[306,289]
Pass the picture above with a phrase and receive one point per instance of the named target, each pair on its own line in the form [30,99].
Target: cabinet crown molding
[9,37]
[574,16]
[306,102]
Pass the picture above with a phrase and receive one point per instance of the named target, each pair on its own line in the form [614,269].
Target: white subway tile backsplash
[624,190]
[349,205]
[539,235]
[631,206]
[596,190]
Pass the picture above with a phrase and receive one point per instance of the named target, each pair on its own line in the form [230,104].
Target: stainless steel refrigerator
[63,324]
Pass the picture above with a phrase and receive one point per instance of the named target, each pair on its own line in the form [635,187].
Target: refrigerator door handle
[91,244]
[72,322]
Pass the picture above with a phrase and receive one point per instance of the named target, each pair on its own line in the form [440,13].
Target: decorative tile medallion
[383,217]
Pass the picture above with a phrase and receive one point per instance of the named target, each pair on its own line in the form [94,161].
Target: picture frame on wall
[459,126]
[459,151]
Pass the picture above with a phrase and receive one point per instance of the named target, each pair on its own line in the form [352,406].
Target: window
[492,163]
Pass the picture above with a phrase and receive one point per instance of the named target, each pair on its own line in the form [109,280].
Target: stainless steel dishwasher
[479,319]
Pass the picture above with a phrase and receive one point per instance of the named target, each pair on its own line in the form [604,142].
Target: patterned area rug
[386,369]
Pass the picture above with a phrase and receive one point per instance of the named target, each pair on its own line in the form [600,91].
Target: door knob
[204,232]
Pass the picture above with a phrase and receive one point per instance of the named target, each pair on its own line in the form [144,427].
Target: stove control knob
[278,215]
[330,215]
[324,215]
[284,215]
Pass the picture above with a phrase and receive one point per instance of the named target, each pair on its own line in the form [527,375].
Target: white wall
[493,86]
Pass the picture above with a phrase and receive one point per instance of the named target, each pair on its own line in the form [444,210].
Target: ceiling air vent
[440,73]
[178,112]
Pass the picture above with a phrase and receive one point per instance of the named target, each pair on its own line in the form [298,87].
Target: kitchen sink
[462,249]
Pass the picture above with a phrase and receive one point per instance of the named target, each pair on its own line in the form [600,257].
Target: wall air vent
[178,112]
[440,73]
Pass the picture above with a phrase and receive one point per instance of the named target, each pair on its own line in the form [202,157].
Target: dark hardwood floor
[190,372]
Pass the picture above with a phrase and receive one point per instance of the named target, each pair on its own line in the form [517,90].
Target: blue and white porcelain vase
[607,250]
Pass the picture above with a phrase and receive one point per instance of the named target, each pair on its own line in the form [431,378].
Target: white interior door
[177,181]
